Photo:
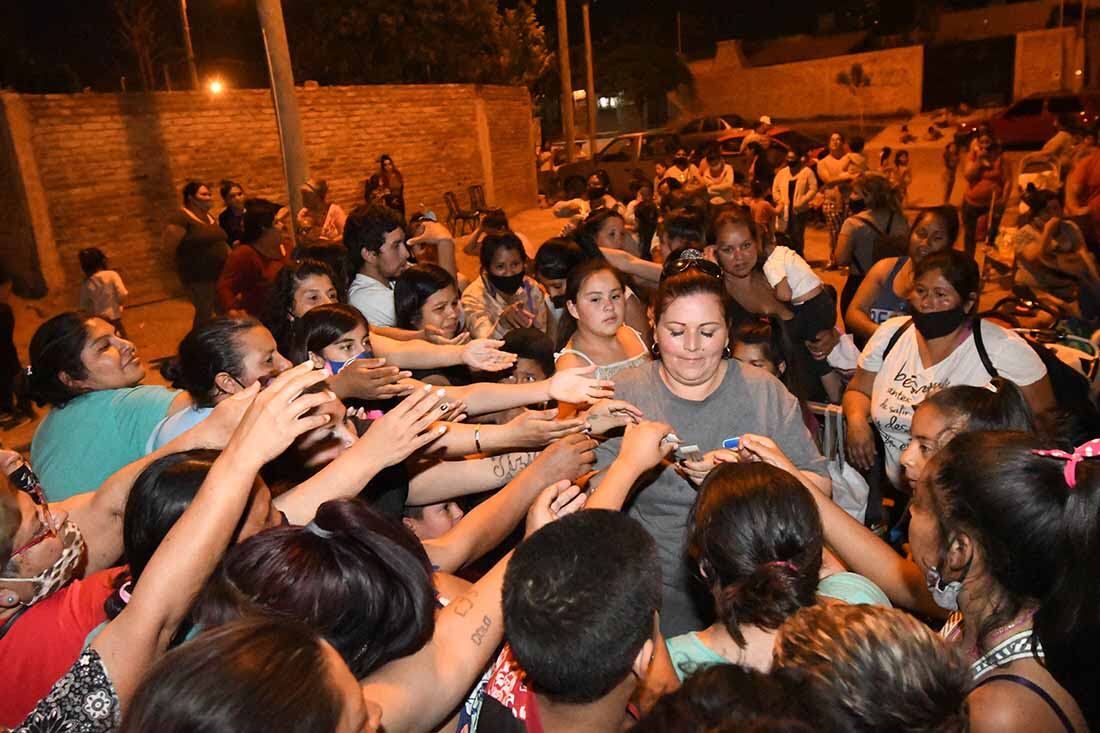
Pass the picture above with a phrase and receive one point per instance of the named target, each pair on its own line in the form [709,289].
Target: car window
[711,124]
[659,146]
[1025,108]
[734,120]
[691,127]
[732,146]
[1064,105]
[619,149]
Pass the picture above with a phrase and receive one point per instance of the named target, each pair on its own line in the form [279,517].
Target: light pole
[187,47]
[566,83]
[295,163]
[590,88]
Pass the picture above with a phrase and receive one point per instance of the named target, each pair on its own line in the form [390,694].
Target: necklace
[998,633]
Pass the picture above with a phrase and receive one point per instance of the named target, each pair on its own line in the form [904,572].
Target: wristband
[477,438]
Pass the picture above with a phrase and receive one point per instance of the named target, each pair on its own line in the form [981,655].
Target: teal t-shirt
[83,442]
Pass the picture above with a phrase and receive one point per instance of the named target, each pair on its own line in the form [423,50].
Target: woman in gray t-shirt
[706,397]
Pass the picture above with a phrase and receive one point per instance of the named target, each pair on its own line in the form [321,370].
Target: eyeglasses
[691,259]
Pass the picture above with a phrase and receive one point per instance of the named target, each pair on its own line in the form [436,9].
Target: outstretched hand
[553,503]
[575,386]
[485,354]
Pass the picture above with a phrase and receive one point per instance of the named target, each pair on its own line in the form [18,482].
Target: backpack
[886,244]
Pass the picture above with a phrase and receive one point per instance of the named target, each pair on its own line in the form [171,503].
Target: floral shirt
[83,701]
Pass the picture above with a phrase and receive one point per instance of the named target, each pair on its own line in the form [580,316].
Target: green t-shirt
[83,442]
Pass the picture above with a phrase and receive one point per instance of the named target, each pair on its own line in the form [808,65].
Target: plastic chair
[457,218]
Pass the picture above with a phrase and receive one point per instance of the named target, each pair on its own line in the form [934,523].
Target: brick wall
[112,165]
[805,89]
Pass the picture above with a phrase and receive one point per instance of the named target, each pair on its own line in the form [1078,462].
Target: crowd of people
[584,490]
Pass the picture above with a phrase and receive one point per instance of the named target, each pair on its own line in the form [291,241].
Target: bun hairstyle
[757,536]
[1039,540]
[969,409]
[205,352]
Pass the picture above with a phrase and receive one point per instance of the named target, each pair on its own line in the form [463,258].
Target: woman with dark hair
[214,683]
[101,414]
[231,220]
[252,266]
[199,245]
[941,344]
[885,290]
[593,331]
[426,299]
[503,297]
[872,234]
[706,398]
[298,287]
[395,182]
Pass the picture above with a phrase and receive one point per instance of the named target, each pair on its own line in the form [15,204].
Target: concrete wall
[110,166]
[1046,61]
[804,89]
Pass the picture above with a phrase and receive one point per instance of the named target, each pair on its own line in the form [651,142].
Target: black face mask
[558,301]
[596,192]
[681,162]
[507,284]
[856,205]
[941,323]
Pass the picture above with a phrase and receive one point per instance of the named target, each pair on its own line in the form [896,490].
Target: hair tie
[1091,449]
[783,564]
[124,591]
[321,532]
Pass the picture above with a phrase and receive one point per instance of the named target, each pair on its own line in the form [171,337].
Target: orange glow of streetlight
[216,86]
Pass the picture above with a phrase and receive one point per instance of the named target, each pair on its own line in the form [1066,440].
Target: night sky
[39,53]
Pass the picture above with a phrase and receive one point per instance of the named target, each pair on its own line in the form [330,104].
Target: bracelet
[477,438]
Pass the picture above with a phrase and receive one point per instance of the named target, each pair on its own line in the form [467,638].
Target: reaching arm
[483,354]
[406,428]
[442,480]
[857,416]
[194,545]
[567,385]
[649,272]
[642,449]
[490,522]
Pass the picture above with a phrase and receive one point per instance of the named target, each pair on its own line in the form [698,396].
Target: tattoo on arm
[463,605]
[479,634]
[507,465]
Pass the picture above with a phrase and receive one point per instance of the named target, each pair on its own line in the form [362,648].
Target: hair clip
[321,532]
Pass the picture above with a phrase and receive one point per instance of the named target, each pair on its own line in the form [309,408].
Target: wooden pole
[590,88]
[295,163]
[566,84]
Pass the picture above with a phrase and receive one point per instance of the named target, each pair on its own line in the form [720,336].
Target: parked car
[783,139]
[625,158]
[701,131]
[1029,122]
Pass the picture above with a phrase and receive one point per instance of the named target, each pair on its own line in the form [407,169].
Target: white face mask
[57,575]
[946,595]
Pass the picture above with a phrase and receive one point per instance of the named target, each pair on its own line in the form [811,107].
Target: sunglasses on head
[691,259]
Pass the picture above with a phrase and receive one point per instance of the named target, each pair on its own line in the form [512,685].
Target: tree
[137,24]
[415,42]
[855,79]
[644,73]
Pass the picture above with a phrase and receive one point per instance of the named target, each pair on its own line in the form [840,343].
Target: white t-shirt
[102,294]
[784,262]
[902,382]
[373,299]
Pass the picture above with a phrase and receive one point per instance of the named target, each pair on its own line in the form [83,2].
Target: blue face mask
[336,366]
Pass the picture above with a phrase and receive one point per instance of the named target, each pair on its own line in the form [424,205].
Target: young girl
[593,331]
[102,292]
[503,297]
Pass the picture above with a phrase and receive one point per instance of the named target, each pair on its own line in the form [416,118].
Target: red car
[1029,122]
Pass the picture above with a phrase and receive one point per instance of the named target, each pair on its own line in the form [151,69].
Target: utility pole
[566,84]
[188,48]
[295,164]
[590,88]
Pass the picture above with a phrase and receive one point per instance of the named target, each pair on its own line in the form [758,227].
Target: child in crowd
[763,213]
[900,175]
[857,161]
[102,292]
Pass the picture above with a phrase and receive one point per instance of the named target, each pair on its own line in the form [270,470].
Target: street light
[216,86]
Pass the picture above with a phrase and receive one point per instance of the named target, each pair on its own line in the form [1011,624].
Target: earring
[10,600]
[655,350]
[727,352]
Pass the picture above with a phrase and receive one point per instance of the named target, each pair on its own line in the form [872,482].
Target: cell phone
[689,452]
[731,443]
